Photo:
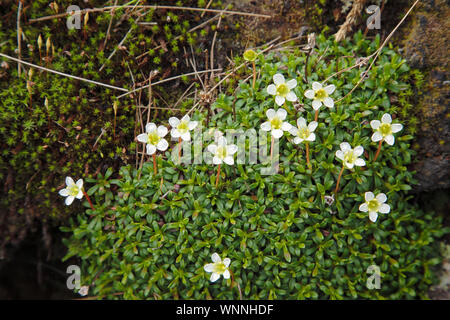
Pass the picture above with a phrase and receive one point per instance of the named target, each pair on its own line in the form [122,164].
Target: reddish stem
[378,151]
[154,163]
[218,175]
[339,179]
[88,199]
[316,116]
[307,154]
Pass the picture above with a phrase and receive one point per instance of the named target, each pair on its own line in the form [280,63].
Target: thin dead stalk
[62,74]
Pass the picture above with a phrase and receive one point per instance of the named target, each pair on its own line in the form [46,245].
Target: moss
[42,144]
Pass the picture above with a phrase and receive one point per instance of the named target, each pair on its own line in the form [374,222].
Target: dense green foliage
[150,236]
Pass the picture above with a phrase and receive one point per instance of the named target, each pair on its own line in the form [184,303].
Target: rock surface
[425,46]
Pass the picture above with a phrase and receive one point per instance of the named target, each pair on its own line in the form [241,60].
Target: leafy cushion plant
[287,235]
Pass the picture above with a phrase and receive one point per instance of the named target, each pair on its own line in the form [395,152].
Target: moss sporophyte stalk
[283,236]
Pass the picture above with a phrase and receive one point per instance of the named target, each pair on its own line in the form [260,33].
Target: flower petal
[381,197]
[301,122]
[293,131]
[162,145]
[149,127]
[279,100]
[214,277]
[281,114]
[217,160]
[79,183]
[186,118]
[389,139]
[316,85]
[330,88]
[386,118]
[345,146]
[384,208]
[215,257]
[174,122]
[349,165]
[373,215]
[360,162]
[79,195]
[143,137]
[271,89]
[291,96]
[309,94]
[396,127]
[369,196]
[69,181]
[358,151]
[63,192]
[298,140]
[376,136]
[375,124]
[162,131]
[229,160]
[212,148]
[311,137]
[175,133]
[291,83]
[286,126]
[270,114]
[316,104]
[192,125]
[278,79]
[266,126]
[186,136]
[151,149]
[69,200]
[277,133]
[312,126]
[340,155]
[226,274]
[328,102]
[364,207]
[226,262]
[209,267]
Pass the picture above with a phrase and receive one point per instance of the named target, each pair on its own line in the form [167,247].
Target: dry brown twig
[62,74]
[19,36]
[350,20]
[154,7]
[110,24]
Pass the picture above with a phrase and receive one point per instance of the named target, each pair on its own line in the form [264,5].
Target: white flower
[84,290]
[222,152]
[320,95]
[384,130]
[282,89]
[374,205]
[218,267]
[72,190]
[350,156]
[304,132]
[181,128]
[154,138]
[276,124]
